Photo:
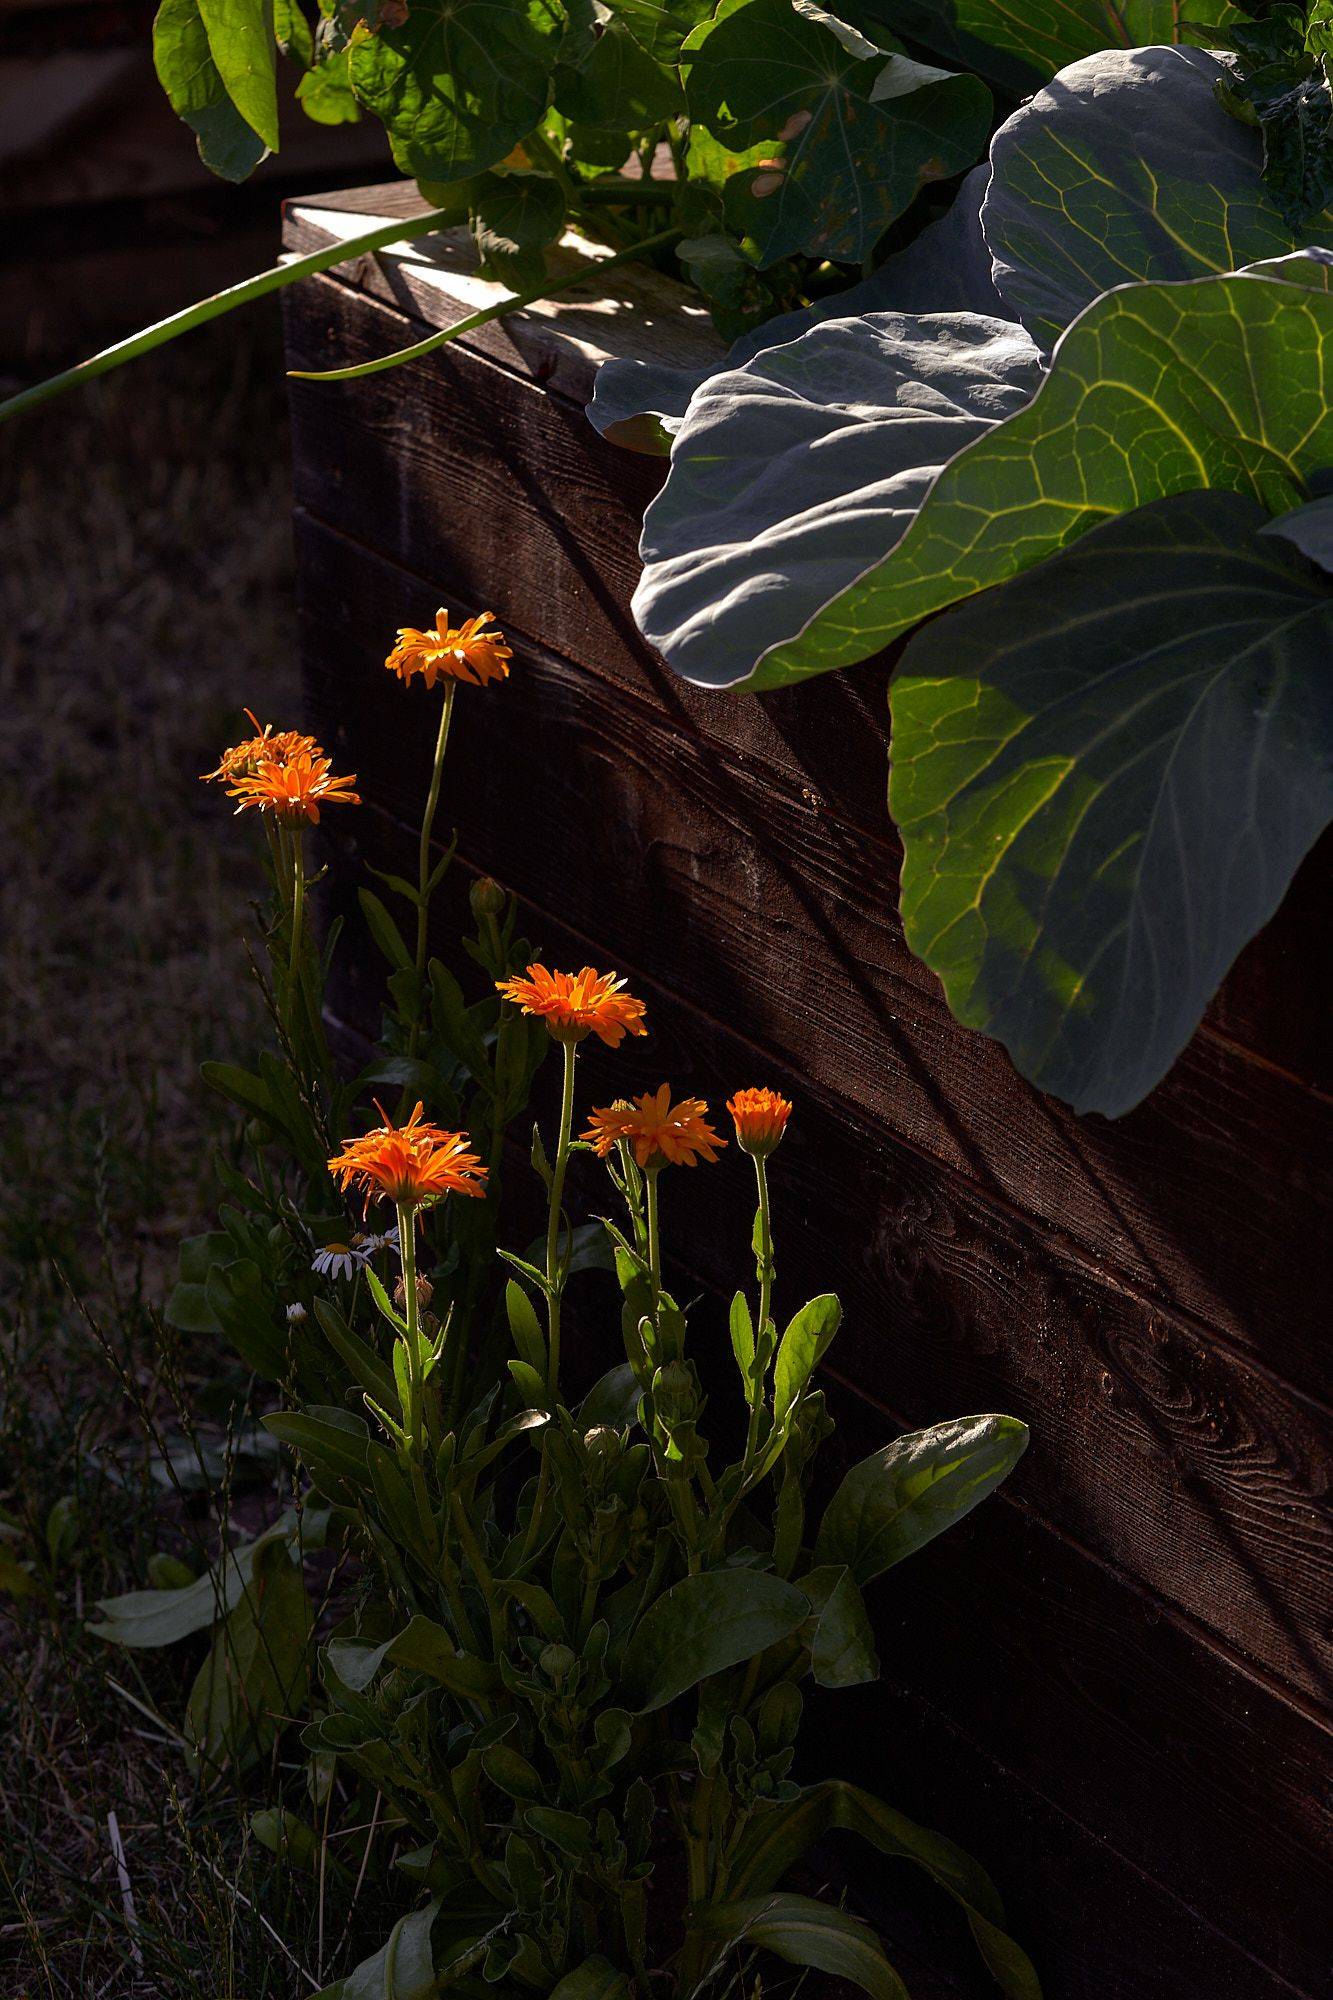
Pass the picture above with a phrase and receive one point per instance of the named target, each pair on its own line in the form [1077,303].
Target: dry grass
[145,594]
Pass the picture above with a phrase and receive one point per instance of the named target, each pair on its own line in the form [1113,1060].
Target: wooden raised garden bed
[1111,1683]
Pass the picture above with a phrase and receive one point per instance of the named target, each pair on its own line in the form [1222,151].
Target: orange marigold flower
[295,790]
[413,1164]
[465,652]
[659,1131]
[266,746]
[575,1004]
[760,1118]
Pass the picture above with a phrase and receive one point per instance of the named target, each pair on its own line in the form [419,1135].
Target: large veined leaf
[228,146]
[1155,389]
[778,1835]
[459,83]
[703,1625]
[947,268]
[894,1502]
[1125,168]
[850,149]
[1105,773]
[402,1969]
[1019,46]
[790,476]
[805,1932]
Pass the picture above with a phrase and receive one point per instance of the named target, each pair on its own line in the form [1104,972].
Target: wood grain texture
[1075,1680]
[781,913]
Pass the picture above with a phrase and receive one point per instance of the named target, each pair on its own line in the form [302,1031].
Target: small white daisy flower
[337,1260]
[296,1312]
[388,1241]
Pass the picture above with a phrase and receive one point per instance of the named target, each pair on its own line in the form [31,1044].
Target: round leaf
[1105,774]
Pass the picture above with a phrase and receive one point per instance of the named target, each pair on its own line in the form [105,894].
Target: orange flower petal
[659,1131]
[466,652]
[414,1163]
[760,1118]
[575,1004]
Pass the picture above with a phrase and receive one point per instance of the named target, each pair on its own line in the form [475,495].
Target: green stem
[423,856]
[766,1271]
[407,1253]
[298,914]
[553,1279]
[401,231]
[589,273]
[654,1244]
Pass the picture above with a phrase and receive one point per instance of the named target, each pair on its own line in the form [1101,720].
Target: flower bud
[487,898]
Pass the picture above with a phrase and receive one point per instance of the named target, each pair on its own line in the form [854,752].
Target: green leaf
[778,1835]
[741,1327]
[905,1494]
[402,1969]
[228,145]
[514,218]
[616,85]
[805,1932]
[242,41]
[701,1626]
[161,1617]
[329,1440]
[460,82]
[842,1648]
[1126,168]
[1113,793]
[793,474]
[612,1400]
[1018,47]
[802,1348]
[254,1675]
[384,930]
[291,31]
[1216,382]
[325,92]
[595,1979]
[524,1327]
[846,159]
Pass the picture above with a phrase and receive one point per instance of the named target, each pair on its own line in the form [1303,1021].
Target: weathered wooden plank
[1212,1198]
[636,312]
[1080,1682]
[571,508]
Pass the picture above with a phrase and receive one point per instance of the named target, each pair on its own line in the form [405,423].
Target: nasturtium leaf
[805,1932]
[947,268]
[1126,168]
[325,92]
[905,1494]
[1018,47]
[1155,389]
[845,162]
[243,45]
[792,475]
[616,85]
[459,83]
[228,146]
[1105,773]
[660,26]
[514,218]
[702,1625]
